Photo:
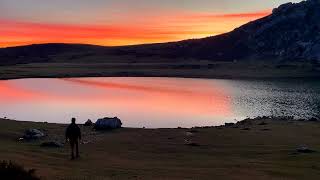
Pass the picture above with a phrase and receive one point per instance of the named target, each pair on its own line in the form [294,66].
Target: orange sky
[150,29]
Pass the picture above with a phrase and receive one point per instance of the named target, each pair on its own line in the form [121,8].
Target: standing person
[73,134]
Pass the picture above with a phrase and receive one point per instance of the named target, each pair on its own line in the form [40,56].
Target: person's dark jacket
[73,132]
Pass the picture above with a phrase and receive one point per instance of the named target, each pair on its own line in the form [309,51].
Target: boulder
[188,142]
[108,123]
[88,123]
[52,144]
[313,119]
[32,134]
[304,149]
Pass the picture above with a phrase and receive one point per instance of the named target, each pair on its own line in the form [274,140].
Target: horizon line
[124,35]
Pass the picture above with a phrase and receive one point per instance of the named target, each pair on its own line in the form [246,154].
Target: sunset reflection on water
[139,102]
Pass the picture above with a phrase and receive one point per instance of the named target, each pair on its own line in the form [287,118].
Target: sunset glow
[113,23]
[128,98]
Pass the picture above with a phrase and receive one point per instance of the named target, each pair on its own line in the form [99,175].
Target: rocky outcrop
[290,33]
[33,134]
[88,123]
[108,123]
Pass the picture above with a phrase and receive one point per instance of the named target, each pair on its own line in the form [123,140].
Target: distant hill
[44,52]
[290,33]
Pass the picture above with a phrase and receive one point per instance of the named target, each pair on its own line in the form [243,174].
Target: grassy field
[241,151]
[192,69]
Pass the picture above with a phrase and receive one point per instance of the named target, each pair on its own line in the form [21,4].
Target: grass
[191,69]
[223,152]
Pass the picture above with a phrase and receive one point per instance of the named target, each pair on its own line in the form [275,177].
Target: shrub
[12,171]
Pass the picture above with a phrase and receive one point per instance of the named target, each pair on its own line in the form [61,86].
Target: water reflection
[149,102]
[157,102]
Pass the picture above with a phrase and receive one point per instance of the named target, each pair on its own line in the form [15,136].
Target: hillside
[291,32]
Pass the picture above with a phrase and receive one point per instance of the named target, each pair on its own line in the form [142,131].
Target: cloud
[157,28]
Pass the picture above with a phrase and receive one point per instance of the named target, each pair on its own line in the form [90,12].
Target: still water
[157,102]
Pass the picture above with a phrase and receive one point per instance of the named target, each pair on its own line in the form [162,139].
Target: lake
[157,102]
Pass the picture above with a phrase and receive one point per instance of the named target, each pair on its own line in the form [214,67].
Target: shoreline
[177,77]
[227,124]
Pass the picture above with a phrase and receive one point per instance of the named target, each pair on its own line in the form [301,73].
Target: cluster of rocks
[88,123]
[36,134]
[262,120]
[105,123]
[292,32]
[101,124]
[33,134]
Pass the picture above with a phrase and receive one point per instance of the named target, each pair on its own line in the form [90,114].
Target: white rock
[108,123]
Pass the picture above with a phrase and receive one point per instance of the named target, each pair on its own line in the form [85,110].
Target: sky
[123,22]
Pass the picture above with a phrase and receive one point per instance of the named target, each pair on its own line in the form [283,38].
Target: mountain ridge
[290,33]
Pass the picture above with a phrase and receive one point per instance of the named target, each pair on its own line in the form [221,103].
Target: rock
[108,123]
[188,142]
[229,124]
[88,123]
[85,142]
[32,134]
[313,119]
[304,149]
[283,8]
[262,124]
[52,144]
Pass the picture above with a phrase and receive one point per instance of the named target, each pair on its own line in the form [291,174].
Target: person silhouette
[73,134]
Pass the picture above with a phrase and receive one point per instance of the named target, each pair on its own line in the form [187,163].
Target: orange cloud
[162,28]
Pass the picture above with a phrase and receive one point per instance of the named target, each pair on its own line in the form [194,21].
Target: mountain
[290,33]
